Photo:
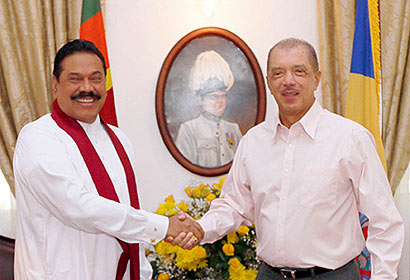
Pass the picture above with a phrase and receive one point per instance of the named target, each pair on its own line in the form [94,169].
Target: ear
[318,75]
[269,83]
[54,86]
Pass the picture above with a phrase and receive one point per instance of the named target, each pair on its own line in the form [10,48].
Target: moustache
[289,89]
[86,94]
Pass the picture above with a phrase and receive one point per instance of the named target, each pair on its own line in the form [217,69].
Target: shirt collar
[211,117]
[309,121]
[91,126]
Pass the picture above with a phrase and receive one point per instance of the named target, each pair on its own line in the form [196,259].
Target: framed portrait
[210,92]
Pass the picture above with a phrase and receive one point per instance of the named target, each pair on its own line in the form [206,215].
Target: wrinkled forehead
[79,60]
[290,56]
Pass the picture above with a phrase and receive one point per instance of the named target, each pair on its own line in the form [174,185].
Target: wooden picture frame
[176,102]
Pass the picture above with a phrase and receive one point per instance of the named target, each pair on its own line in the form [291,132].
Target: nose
[288,79]
[86,85]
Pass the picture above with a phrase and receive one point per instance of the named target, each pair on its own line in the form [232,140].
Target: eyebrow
[277,68]
[293,66]
[78,74]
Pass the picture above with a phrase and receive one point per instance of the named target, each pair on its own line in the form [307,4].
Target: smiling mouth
[289,92]
[86,97]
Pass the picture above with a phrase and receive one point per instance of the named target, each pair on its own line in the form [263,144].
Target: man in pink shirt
[301,177]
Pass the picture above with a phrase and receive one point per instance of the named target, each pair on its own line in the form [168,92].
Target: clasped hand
[184,231]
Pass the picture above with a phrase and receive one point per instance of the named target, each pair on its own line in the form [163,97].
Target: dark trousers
[347,272]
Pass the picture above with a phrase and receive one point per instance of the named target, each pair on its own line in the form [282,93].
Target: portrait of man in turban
[210,92]
[210,139]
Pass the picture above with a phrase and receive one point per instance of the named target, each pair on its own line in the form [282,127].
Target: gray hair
[291,43]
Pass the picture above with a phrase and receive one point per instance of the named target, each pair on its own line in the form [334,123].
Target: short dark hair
[72,47]
[291,43]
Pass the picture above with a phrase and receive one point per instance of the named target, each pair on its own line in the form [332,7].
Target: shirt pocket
[207,152]
[319,187]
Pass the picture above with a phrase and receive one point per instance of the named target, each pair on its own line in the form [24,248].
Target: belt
[296,273]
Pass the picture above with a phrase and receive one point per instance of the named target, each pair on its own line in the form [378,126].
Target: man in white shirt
[76,193]
[302,177]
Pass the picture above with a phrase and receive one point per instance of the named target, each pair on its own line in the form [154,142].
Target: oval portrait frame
[259,104]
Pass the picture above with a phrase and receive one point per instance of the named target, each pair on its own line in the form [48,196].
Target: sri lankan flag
[363,100]
[92,29]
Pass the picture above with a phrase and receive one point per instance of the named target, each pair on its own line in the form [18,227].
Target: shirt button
[286,170]
[152,240]
[290,145]
[155,229]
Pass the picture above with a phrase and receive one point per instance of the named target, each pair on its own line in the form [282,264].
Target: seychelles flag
[363,99]
[92,29]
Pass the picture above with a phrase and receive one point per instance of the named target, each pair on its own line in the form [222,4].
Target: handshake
[184,231]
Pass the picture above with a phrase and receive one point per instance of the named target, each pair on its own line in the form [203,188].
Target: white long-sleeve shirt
[303,188]
[65,230]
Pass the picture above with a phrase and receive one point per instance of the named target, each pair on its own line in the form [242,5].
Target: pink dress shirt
[303,188]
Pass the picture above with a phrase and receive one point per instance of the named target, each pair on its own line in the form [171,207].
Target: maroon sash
[102,180]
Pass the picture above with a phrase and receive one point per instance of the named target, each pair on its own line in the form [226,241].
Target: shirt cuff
[157,226]
[207,236]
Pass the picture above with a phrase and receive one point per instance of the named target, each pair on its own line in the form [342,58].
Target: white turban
[210,73]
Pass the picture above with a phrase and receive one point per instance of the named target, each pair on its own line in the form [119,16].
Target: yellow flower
[201,252]
[170,199]
[163,276]
[162,210]
[243,230]
[228,249]
[196,192]
[251,274]
[172,212]
[183,206]
[188,191]
[222,180]
[169,258]
[165,250]
[235,265]
[232,237]
[210,197]
[205,191]
[191,259]
[167,208]
[237,271]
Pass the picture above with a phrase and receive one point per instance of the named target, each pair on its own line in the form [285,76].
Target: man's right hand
[184,231]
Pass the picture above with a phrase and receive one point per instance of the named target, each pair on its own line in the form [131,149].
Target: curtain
[395,32]
[336,21]
[31,31]
[336,29]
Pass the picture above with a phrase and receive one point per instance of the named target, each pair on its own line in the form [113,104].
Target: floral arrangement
[232,257]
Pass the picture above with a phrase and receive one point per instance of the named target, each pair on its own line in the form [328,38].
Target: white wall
[140,33]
